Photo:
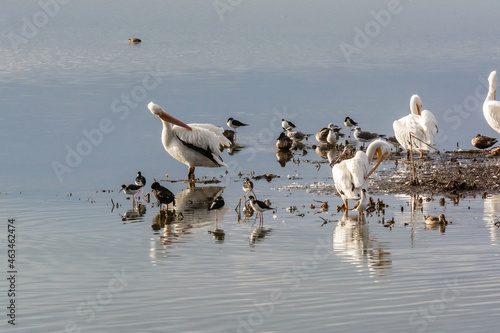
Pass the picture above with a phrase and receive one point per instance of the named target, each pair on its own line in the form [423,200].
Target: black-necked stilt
[131,189]
[162,194]
[350,123]
[284,142]
[216,205]
[196,145]
[141,181]
[483,142]
[287,125]
[234,124]
[259,207]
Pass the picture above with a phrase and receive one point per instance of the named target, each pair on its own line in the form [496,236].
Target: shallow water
[78,127]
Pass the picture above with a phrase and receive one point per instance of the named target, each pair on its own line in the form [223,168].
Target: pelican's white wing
[358,168]
[349,176]
[217,130]
[430,126]
[203,140]
[343,180]
[406,125]
[491,111]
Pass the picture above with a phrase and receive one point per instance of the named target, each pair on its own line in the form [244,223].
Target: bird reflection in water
[283,156]
[136,214]
[163,218]
[441,227]
[216,205]
[258,235]
[492,215]
[191,212]
[234,148]
[327,152]
[352,242]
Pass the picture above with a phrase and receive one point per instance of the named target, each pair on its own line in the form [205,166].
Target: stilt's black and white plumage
[162,194]
[131,189]
[259,207]
[234,124]
[350,123]
[287,125]
[216,205]
[141,181]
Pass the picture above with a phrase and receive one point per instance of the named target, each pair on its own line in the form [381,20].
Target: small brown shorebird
[432,220]
[284,142]
[483,142]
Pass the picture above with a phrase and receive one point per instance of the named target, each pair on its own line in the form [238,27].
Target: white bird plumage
[193,144]
[350,176]
[491,107]
[421,123]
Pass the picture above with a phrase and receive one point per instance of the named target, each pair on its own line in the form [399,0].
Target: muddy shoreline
[452,173]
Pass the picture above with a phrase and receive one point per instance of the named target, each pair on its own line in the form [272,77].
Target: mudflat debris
[460,172]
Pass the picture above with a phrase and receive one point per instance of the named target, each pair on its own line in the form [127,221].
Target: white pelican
[350,176]
[491,107]
[194,144]
[422,124]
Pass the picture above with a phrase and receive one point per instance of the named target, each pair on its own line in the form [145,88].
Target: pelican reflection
[492,215]
[190,212]
[352,243]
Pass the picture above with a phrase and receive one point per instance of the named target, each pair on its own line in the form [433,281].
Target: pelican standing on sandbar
[421,123]
[491,107]
[351,176]
[196,145]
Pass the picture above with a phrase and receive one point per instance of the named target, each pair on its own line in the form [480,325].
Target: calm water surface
[77,127]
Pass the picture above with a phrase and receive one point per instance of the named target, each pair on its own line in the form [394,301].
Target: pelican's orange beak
[380,158]
[169,119]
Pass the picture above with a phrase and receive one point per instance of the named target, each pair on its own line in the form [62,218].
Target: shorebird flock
[201,145]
